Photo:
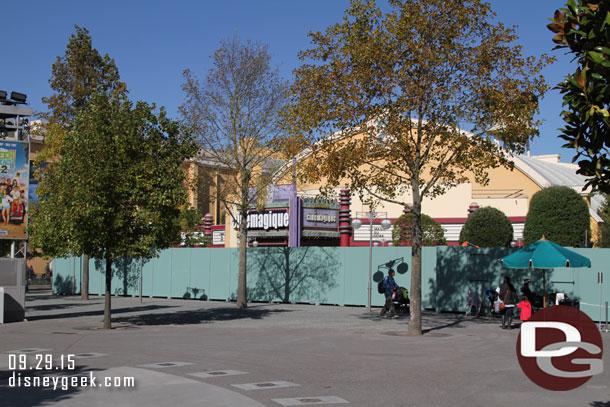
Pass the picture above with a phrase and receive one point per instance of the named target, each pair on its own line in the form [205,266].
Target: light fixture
[18,97]
[386,224]
[255,243]
[473,207]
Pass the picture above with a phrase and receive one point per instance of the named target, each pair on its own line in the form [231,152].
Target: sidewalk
[211,354]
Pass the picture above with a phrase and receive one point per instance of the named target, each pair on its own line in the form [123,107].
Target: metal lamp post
[385,225]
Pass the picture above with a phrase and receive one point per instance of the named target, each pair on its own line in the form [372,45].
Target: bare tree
[234,114]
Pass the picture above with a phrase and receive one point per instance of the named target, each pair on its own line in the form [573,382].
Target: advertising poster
[14,177]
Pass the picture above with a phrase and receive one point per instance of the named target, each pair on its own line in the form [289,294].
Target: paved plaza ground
[199,353]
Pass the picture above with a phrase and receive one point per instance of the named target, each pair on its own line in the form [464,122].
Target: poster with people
[14,178]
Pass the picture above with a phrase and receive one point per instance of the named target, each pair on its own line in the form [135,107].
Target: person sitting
[473,300]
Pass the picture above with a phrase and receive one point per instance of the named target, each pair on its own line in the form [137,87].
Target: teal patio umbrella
[544,254]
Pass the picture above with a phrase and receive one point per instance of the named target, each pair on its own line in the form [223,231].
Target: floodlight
[19,97]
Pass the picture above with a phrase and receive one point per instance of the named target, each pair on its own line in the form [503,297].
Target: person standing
[389,286]
[525,290]
[6,206]
[508,296]
[526,308]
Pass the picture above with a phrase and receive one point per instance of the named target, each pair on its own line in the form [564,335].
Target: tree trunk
[107,316]
[84,285]
[242,292]
[415,328]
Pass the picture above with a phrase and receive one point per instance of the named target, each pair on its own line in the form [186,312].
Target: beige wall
[201,183]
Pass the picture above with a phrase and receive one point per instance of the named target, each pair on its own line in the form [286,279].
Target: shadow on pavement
[432,321]
[600,404]
[99,312]
[20,394]
[56,306]
[198,316]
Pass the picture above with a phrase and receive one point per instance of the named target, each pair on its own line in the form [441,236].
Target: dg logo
[560,348]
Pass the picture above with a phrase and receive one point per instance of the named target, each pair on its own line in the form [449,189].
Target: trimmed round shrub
[487,227]
[433,233]
[560,214]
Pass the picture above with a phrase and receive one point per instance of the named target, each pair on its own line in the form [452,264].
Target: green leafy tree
[382,102]
[192,235]
[487,227]
[603,238]
[560,214]
[76,75]
[234,115]
[432,232]
[116,187]
[583,29]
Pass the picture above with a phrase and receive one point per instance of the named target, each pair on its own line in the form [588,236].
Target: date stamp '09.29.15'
[57,372]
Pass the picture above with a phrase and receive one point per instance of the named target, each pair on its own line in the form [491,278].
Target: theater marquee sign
[320,218]
[265,220]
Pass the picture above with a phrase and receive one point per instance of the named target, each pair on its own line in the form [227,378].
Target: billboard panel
[14,179]
[321,218]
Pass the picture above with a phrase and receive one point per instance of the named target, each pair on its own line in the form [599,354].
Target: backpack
[381,287]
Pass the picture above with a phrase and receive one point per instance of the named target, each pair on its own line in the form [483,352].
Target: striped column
[208,220]
[345,227]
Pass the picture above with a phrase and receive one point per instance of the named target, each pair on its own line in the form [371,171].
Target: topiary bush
[402,234]
[487,227]
[560,214]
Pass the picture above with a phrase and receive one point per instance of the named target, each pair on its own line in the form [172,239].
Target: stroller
[401,300]
[494,302]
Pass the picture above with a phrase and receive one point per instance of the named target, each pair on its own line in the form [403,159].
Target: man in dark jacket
[525,290]
[390,286]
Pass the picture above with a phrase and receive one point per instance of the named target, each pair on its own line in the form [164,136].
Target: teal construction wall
[331,275]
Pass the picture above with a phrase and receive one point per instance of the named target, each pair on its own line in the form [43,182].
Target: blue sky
[153,41]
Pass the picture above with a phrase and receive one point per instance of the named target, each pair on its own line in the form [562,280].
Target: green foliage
[77,75]
[560,214]
[190,224]
[116,188]
[487,227]
[402,233]
[583,28]
[603,238]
